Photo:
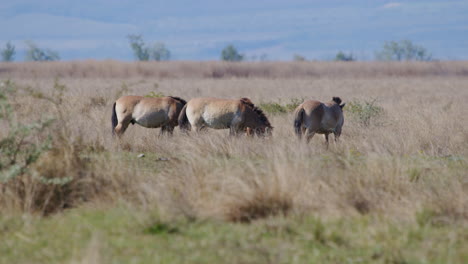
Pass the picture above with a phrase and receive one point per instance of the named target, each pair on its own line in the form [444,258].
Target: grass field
[394,189]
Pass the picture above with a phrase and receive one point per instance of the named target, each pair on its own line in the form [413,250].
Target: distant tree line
[403,50]
[33,53]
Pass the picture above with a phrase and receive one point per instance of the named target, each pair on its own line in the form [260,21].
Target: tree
[140,51]
[341,56]
[159,52]
[34,53]
[8,54]
[298,57]
[230,53]
[403,50]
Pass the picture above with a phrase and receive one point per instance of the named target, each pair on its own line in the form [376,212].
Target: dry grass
[408,166]
[217,70]
[412,159]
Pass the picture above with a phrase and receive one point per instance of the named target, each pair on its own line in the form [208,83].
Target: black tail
[182,101]
[337,100]
[184,123]
[114,120]
[298,118]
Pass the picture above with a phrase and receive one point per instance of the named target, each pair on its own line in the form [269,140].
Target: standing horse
[239,115]
[313,117]
[147,112]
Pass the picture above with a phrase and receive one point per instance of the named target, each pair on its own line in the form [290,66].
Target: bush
[8,54]
[230,53]
[365,112]
[298,57]
[341,56]
[273,108]
[403,50]
[34,53]
[41,170]
[154,94]
[142,52]
[277,108]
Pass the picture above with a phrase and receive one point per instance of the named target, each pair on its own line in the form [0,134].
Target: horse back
[213,112]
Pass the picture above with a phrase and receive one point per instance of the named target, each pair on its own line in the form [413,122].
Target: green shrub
[273,108]
[365,112]
[154,94]
[17,155]
[277,108]
[40,167]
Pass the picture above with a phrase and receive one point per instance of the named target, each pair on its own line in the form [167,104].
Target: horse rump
[183,121]
[298,119]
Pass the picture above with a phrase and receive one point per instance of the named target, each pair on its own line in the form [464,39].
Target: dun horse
[239,116]
[147,112]
[313,117]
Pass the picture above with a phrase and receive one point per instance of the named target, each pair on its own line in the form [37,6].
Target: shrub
[277,108]
[142,52]
[273,108]
[154,94]
[403,50]
[230,53]
[298,57]
[365,112]
[41,170]
[341,56]
[34,53]
[8,54]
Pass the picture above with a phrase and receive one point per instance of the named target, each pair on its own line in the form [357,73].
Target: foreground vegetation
[393,190]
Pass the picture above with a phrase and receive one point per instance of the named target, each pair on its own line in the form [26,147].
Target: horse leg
[234,131]
[326,139]
[337,134]
[163,130]
[169,129]
[310,133]
[235,127]
[121,127]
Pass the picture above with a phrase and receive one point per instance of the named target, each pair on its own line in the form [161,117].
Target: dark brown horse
[147,112]
[313,117]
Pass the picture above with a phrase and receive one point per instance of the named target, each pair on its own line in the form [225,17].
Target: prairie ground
[394,189]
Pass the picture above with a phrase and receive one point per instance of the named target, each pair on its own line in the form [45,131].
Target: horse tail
[298,119]
[337,100]
[184,123]
[114,119]
[182,101]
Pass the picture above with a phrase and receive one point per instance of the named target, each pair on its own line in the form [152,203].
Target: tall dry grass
[412,160]
[220,70]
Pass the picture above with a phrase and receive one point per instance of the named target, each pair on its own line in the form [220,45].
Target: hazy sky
[198,30]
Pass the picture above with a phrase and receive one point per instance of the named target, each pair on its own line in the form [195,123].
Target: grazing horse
[312,117]
[147,112]
[239,115]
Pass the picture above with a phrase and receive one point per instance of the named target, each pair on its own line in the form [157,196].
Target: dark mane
[182,101]
[337,100]
[247,101]
[257,110]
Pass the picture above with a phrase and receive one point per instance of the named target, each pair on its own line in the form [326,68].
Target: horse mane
[337,100]
[247,101]
[182,101]
[257,110]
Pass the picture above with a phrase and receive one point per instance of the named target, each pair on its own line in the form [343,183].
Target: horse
[147,112]
[238,115]
[313,116]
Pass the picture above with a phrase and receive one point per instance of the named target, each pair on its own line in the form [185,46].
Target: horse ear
[342,105]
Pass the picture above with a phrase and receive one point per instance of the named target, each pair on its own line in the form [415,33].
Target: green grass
[124,234]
